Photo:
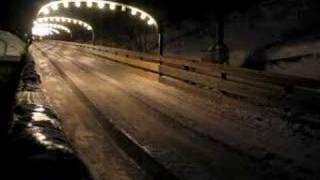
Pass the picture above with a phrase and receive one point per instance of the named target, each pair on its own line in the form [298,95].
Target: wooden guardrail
[244,83]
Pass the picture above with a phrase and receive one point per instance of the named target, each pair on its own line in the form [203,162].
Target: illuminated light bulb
[89,4]
[123,8]
[66,4]
[80,23]
[46,11]
[89,28]
[78,4]
[101,5]
[55,7]
[143,16]
[133,12]
[63,19]
[112,6]
[150,22]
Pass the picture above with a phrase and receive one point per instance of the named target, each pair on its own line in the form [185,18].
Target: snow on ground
[244,35]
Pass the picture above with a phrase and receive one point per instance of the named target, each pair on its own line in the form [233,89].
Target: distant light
[49,25]
[66,4]
[101,5]
[78,4]
[46,11]
[133,12]
[150,22]
[89,4]
[123,8]
[55,7]
[143,16]
[112,6]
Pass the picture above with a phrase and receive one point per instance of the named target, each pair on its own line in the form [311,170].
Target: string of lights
[100,4]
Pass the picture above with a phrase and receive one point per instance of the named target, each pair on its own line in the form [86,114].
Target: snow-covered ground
[15,46]
[245,33]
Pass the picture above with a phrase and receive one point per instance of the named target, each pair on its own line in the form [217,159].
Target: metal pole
[161,41]
[220,30]
[222,51]
[93,37]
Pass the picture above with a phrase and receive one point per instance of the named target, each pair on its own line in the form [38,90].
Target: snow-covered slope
[15,46]
[259,28]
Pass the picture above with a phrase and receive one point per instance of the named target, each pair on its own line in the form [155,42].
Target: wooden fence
[258,86]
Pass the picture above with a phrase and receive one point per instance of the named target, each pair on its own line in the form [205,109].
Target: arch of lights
[60,19]
[63,20]
[55,26]
[101,4]
[44,31]
[54,6]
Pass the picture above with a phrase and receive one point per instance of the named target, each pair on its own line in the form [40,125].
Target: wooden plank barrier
[244,83]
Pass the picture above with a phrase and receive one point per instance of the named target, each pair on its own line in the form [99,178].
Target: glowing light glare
[143,16]
[150,22]
[55,7]
[55,26]
[89,4]
[101,5]
[45,10]
[44,31]
[112,6]
[78,4]
[64,20]
[134,12]
[66,4]
[123,8]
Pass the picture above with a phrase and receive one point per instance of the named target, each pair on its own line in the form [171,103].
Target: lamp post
[221,50]
[161,40]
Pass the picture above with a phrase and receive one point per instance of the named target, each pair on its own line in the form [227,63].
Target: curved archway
[58,27]
[100,4]
[55,26]
[42,31]
[54,6]
[60,20]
